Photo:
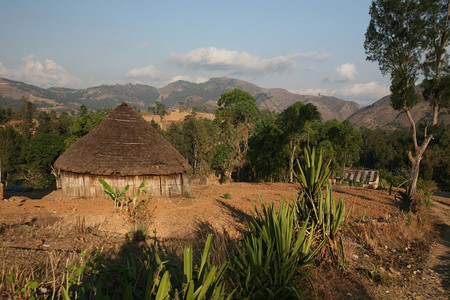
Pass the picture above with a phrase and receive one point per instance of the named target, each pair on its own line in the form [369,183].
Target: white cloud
[346,72]
[369,90]
[212,58]
[41,73]
[145,45]
[149,72]
[196,79]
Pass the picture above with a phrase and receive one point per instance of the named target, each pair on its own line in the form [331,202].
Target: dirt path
[433,281]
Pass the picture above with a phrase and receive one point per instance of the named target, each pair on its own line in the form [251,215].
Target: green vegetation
[315,207]
[271,260]
[219,145]
[30,145]
[421,32]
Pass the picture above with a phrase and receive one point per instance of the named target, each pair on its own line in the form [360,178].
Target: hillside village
[219,188]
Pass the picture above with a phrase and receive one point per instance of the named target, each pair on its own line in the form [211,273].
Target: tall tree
[236,115]
[345,142]
[293,120]
[10,153]
[26,113]
[400,32]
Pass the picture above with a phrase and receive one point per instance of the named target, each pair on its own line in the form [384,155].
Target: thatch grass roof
[123,144]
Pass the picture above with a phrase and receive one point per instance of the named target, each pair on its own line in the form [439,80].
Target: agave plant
[312,177]
[270,261]
[314,206]
[207,282]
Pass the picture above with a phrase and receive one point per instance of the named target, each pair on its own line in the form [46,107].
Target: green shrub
[313,207]
[270,261]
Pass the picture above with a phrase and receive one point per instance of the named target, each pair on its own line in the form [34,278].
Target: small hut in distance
[123,149]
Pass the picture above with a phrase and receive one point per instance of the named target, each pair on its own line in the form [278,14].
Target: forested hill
[203,96]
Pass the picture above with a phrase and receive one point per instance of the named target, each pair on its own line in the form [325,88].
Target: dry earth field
[390,254]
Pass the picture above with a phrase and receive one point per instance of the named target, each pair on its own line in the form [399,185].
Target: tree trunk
[293,147]
[412,190]
[415,160]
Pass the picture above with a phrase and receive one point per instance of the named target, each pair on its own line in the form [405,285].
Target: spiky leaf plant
[270,261]
[314,206]
[313,175]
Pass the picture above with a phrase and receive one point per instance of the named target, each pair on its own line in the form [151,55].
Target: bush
[271,259]
[313,207]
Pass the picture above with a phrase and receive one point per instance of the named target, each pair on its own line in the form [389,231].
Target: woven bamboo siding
[87,186]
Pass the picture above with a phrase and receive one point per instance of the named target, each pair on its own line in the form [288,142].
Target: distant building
[367,177]
[123,149]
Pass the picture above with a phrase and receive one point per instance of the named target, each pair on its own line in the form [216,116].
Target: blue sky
[306,47]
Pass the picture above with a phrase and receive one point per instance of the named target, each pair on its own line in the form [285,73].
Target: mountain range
[204,96]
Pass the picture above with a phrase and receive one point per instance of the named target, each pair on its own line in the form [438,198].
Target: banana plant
[112,192]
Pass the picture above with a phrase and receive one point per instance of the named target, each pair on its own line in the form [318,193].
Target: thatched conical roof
[123,144]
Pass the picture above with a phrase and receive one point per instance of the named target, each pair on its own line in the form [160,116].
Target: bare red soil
[391,254]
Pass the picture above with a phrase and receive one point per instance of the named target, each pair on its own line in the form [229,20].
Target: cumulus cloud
[148,72]
[45,73]
[346,72]
[197,79]
[370,90]
[211,58]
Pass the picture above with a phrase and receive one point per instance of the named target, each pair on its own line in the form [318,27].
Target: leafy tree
[6,114]
[40,153]
[236,115]
[10,153]
[436,165]
[27,112]
[347,143]
[406,37]
[293,120]
[84,124]
[63,124]
[195,139]
[160,109]
[200,137]
[221,162]
[267,150]
[345,140]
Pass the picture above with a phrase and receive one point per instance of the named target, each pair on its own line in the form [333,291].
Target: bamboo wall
[87,186]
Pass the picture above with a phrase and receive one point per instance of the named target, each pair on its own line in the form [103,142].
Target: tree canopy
[408,38]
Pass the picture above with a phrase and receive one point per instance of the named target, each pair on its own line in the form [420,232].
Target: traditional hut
[123,149]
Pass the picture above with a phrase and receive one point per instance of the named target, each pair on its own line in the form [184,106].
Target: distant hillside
[203,96]
[381,115]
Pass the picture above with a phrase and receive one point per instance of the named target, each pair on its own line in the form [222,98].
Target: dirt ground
[391,254]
